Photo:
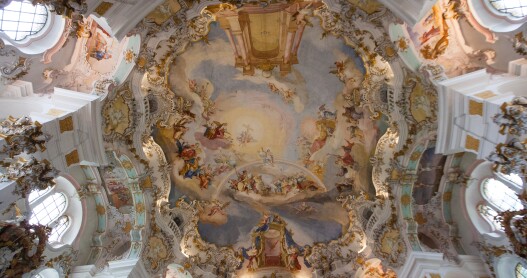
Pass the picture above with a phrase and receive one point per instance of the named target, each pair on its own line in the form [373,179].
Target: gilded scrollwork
[16,69]
[515,227]
[22,246]
[510,157]
[120,114]
[201,254]
[512,117]
[22,135]
[4,51]
[66,8]
[520,43]
[419,100]
[102,87]
[29,175]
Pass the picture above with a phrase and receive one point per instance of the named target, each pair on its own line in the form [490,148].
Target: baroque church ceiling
[274,160]
[268,138]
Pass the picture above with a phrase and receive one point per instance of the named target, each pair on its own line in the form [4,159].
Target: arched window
[516,8]
[31,29]
[487,194]
[19,20]
[499,194]
[520,271]
[59,208]
[48,208]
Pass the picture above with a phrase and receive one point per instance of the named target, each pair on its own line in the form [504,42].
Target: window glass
[521,272]
[49,209]
[514,178]
[19,20]
[35,194]
[59,227]
[501,196]
[490,215]
[516,8]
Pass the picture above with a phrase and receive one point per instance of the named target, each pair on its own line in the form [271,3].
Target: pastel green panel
[130,172]
[140,217]
[410,56]
[124,68]
[406,209]
[101,218]
[413,164]
[135,250]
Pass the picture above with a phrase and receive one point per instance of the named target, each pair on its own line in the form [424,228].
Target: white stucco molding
[496,21]
[411,11]
[422,264]
[47,38]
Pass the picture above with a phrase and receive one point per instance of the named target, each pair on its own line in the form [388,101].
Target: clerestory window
[500,194]
[59,209]
[48,209]
[19,20]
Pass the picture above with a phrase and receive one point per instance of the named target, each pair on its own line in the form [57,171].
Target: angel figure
[216,130]
[205,177]
[266,156]
[326,114]
[292,258]
[180,128]
[251,254]
[302,15]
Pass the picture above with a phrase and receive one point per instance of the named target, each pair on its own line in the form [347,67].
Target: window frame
[39,193]
[38,202]
[489,17]
[509,15]
[489,199]
[20,11]
[48,193]
[518,271]
[46,39]
[481,208]
[488,202]
[54,225]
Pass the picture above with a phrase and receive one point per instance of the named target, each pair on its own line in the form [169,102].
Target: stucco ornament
[512,118]
[22,135]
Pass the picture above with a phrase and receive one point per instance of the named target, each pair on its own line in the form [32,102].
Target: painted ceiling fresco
[270,155]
